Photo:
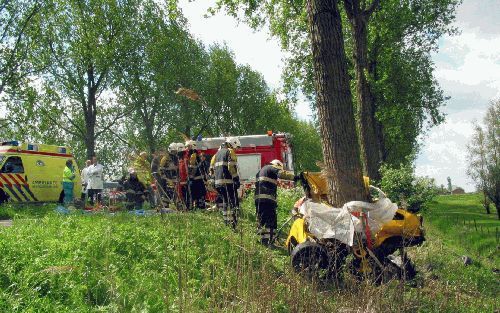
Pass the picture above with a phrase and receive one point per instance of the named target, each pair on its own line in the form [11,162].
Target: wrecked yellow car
[322,237]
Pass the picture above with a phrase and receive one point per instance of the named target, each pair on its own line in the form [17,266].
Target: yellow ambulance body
[33,172]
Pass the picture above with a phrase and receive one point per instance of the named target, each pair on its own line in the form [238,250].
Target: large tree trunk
[371,152]
[90,110]
[90,119]
[373,73]
[334,103]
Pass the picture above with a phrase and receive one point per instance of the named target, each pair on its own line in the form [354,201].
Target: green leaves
[483,154]
[409,191]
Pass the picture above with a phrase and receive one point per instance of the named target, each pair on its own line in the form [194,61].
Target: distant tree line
[484,157]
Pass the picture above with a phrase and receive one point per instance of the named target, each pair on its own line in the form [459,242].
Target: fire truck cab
[256,151]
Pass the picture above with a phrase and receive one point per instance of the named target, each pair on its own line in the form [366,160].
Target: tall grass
[187,262]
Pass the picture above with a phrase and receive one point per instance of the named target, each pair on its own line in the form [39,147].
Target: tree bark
[90,110]
[371,152]
[486,203]
[334,103]
[373,73]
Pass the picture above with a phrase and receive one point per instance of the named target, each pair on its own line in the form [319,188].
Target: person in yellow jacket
[143,168]
[68,181]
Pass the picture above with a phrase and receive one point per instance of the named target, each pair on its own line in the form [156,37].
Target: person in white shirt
[95,183]
[85,178]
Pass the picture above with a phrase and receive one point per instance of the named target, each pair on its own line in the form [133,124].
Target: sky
[467,69]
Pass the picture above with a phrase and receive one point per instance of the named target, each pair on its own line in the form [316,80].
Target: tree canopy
[398,66]
[102,76]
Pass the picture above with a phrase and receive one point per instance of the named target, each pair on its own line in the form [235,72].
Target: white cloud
[444,151]
[468,70]
[478,59]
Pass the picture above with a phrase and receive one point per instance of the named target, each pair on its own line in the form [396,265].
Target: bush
[409,191]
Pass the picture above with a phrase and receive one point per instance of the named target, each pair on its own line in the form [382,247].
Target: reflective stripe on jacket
[169,167]
[225,167]
[266,184]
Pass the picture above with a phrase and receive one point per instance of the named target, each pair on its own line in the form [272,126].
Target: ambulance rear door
[12,179]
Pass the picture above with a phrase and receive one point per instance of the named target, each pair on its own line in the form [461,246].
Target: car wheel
[310,259]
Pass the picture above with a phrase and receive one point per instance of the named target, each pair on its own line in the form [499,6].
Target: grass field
[192,263]
[463,223]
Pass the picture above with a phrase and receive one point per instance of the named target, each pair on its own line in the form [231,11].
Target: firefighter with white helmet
[156,175]
[180,147]
[172,148]
[224,166]
[169,168]
[191,144]
[266,186]
[233,142]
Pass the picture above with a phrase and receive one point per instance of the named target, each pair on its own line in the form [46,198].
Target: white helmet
[277,163]
[180,147]
[192,143]
[234,142]
[172,147]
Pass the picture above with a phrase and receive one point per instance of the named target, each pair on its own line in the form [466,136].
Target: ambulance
[33,172]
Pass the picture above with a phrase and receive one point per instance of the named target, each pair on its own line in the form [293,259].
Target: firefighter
[182,186]
[135,191]
[224,166]
[169,172]
[197,189]
[204,167]
[266,186]
[156,176]
[143,168]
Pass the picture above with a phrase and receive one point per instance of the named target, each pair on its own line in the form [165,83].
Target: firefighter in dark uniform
[266,186]
[204,167]
[196,182]
[224,166]
[157,179]
[135,191]
[169,172]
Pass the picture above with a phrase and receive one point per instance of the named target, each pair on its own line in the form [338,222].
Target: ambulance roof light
[10,143]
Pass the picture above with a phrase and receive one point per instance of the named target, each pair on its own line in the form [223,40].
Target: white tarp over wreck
[325,221]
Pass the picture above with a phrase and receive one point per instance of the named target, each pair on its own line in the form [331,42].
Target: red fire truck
[256,151]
